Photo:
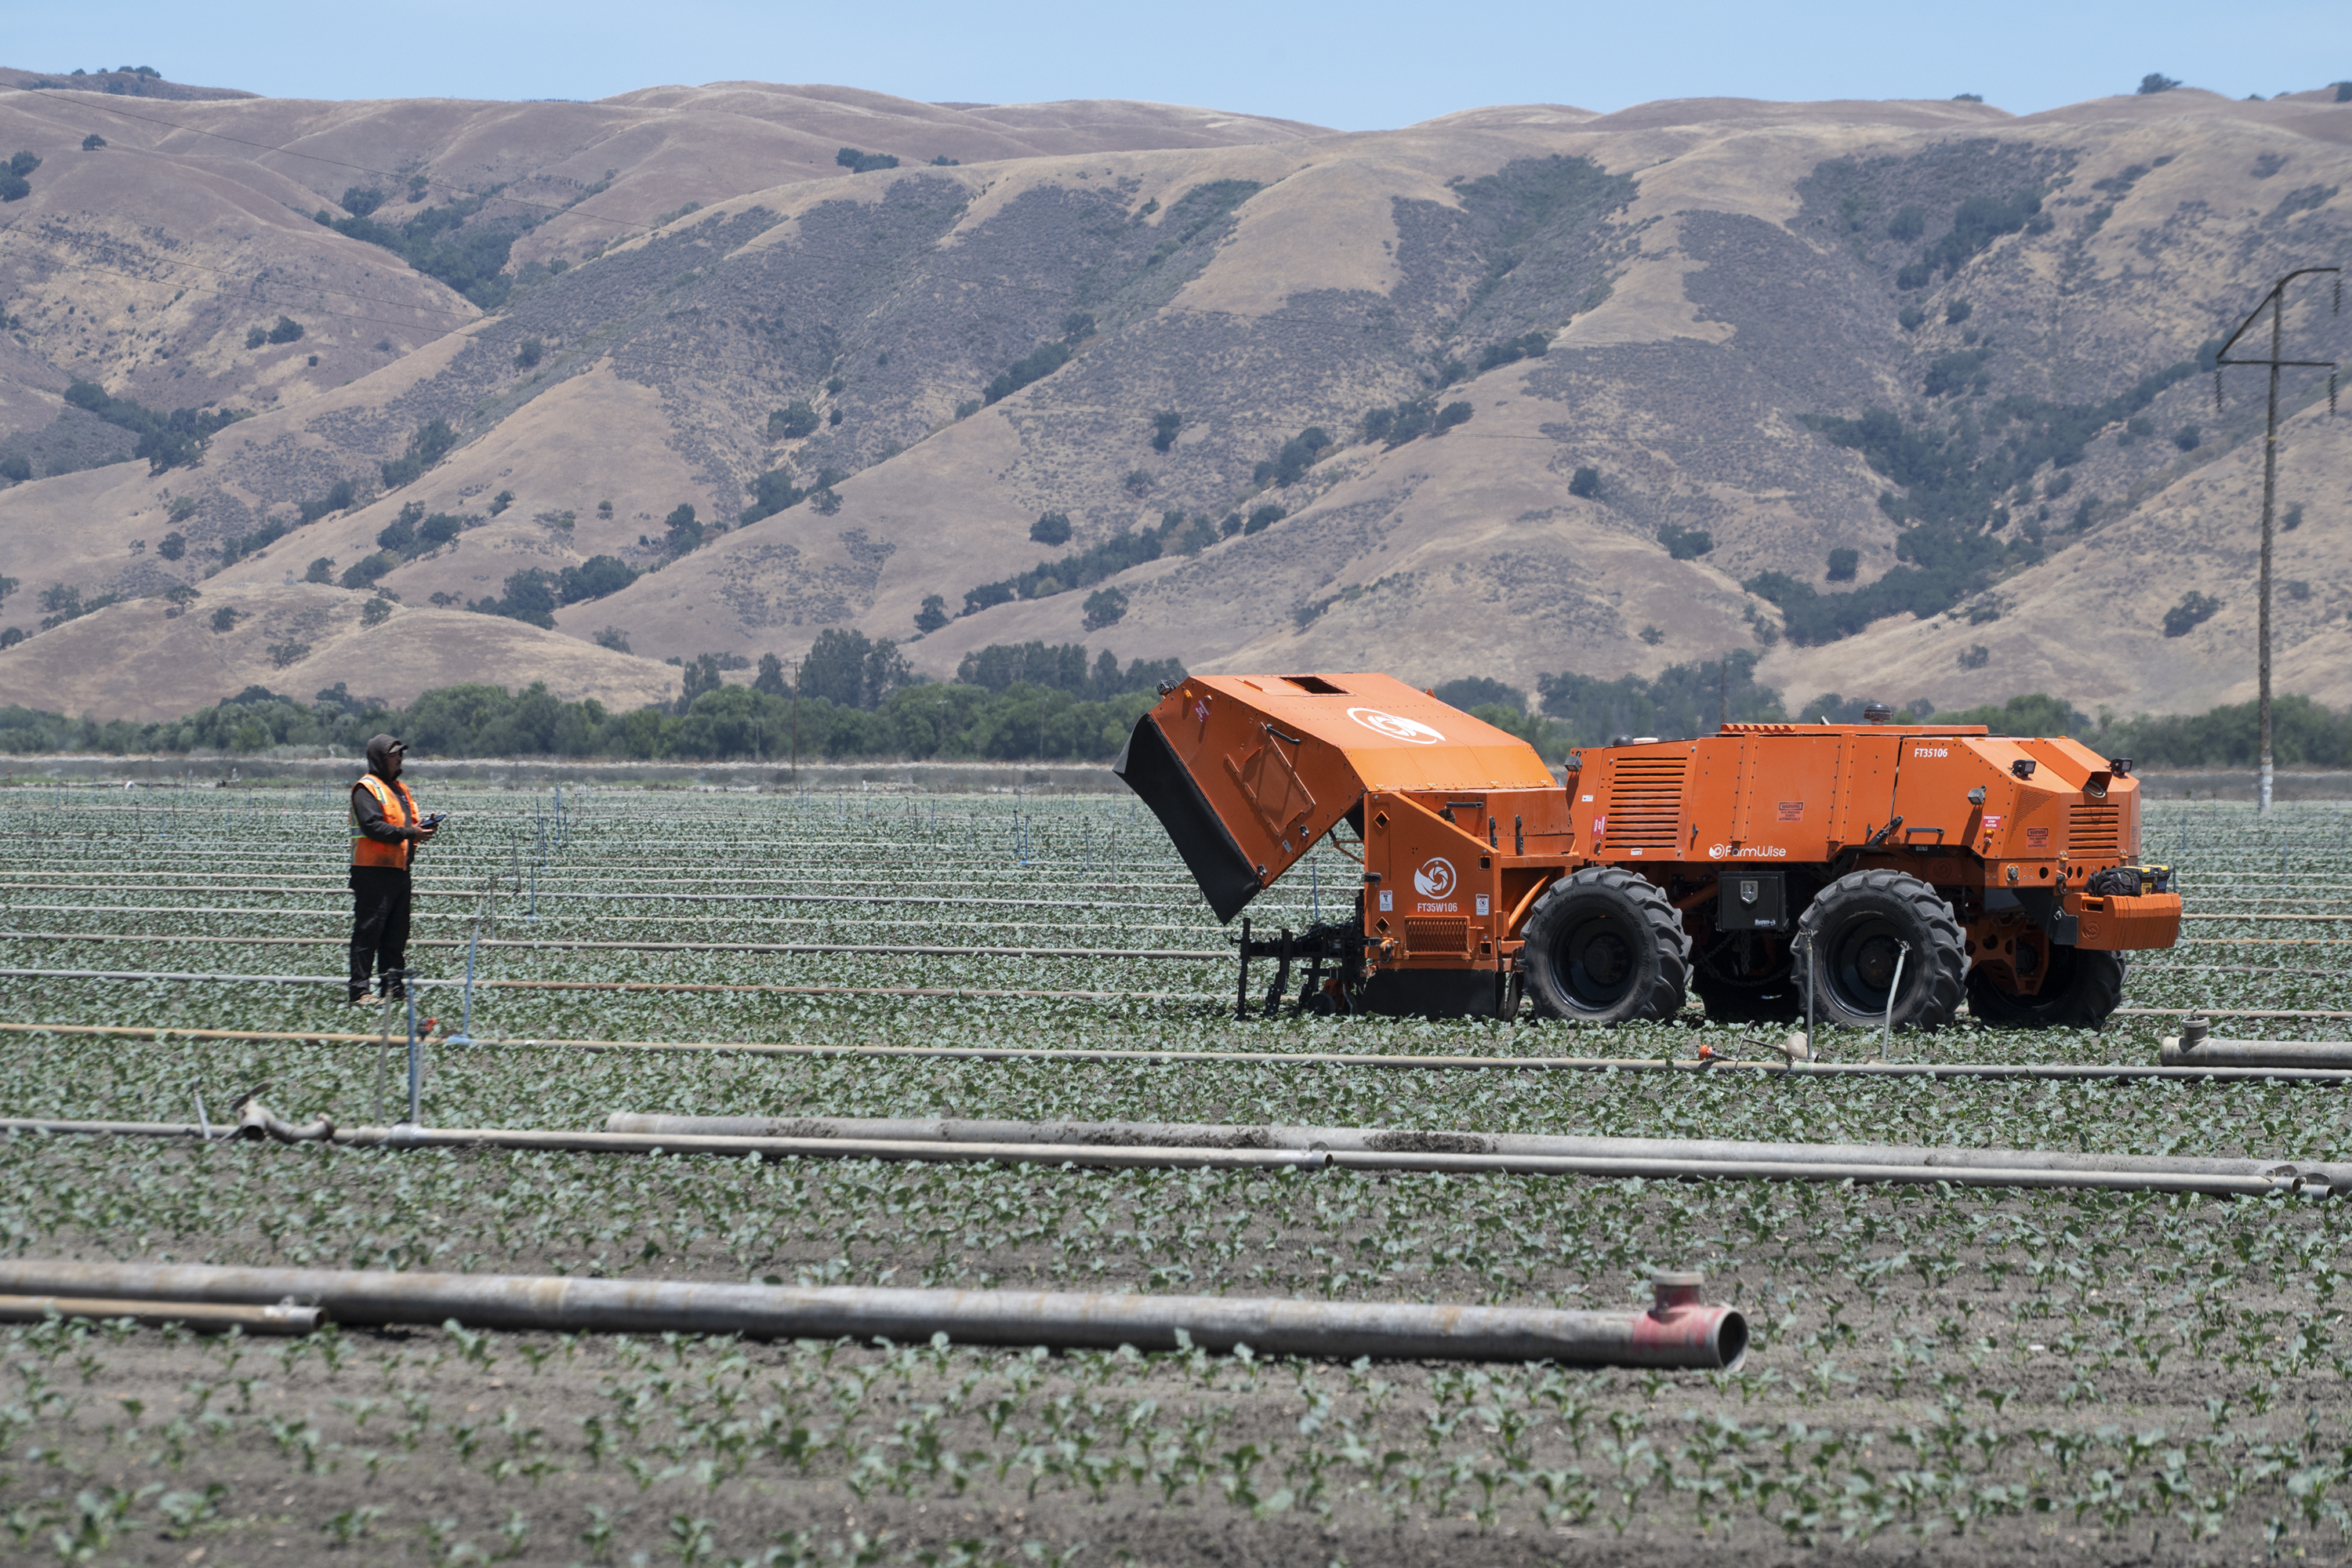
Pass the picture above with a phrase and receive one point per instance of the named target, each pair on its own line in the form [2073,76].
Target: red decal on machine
[2037,836]
[1792,811]
[1991,824]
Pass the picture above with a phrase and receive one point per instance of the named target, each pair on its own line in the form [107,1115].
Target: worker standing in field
[386,828]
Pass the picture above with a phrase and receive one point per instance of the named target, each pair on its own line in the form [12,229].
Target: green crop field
[1971,1373]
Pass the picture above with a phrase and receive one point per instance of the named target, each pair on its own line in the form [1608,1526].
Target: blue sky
[1365,65]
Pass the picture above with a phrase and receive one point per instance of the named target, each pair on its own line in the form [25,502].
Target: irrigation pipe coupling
[1678,1330]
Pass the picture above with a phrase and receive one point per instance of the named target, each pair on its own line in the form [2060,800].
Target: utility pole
[2275,303]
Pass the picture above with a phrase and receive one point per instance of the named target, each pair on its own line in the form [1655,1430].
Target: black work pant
[379,924]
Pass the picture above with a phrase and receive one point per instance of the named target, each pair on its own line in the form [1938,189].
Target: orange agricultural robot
[1889,870]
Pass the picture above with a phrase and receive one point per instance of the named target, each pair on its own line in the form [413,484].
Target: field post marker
[1894,990]
[466,1022]
[203,1124]
[415,1055]
[1809,1042]
[382,1055]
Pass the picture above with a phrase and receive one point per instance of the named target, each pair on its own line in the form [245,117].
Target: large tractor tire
[2083,988]
[1604,947]
[1849,938]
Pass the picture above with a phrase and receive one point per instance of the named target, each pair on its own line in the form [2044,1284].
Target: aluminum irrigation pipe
[1075,901]
[211,1317]
[666,987]
[566,944]
[2103,1071]
[1384,1142]
[2194,1046]
[2113,1175]
[1676,1331]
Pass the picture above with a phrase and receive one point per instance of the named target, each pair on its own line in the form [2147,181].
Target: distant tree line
[850,696]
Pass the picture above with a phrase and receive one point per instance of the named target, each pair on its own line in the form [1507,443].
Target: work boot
[358,996]
[395,985]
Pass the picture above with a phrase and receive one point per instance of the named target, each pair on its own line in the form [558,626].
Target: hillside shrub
[793,421]
[172,545]
[1685,543]
[1294,457]
[2193,611]
[1452,415]
[862,163]
[527,356]
[1528,345]
[1104,607]
[1264,518]
[681,533]
[341,496]
[1843,564]
[1050,528]
[17,467]
[2156,82]
[933,614]
[1584,483]
[1165,425]
[771,492]
[365,573]
[321,570]
[1030,368]
[431,442]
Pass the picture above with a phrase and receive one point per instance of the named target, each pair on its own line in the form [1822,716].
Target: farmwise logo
[1435,878]
[1396,727]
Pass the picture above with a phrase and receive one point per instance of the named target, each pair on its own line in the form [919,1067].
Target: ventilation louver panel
[2094,829]
[1645,802]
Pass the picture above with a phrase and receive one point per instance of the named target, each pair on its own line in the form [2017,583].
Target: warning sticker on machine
[1792,811]
[2037,836]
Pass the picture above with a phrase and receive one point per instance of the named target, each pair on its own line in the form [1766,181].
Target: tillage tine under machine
[1892,869]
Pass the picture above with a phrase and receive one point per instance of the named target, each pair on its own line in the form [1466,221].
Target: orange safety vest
[399,809]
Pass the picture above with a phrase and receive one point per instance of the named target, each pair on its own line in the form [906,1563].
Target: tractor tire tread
[2088,999]
[1945,963]
[1663,998]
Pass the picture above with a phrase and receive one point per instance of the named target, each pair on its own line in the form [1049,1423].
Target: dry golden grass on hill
[1714,278]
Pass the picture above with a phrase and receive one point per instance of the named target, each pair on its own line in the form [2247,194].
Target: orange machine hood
[1247,771]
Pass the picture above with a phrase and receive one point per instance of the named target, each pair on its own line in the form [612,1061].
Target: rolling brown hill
[1715,286]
